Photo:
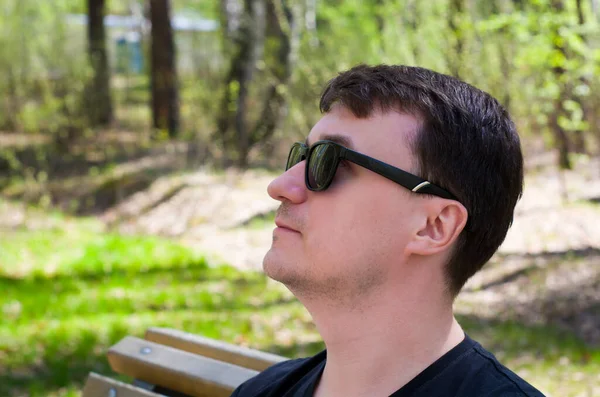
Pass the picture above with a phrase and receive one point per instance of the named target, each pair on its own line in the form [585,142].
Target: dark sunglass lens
[321,166]
[294,157]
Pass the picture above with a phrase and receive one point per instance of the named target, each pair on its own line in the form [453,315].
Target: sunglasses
[323,158]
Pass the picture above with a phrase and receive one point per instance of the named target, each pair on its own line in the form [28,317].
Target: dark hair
[467,144]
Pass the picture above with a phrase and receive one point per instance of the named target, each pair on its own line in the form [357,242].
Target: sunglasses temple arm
[406,179]
[436,191]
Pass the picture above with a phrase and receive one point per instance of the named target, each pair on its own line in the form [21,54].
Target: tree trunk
[455,58]
[310,21]
[285,31]
[255,41]
[12,102]
[283,28]
[412,17]
[165,96]
[379,20]
[561,137]
[234,105]
[231,14]
[519,4]
[579,144]
[100,108]
[505,49]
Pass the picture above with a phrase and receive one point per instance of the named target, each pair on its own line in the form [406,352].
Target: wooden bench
[172,363]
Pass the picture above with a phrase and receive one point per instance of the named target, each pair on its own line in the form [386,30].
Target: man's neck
[379,345]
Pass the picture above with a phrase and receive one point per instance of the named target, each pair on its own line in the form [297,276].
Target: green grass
[69,293]
[55,253]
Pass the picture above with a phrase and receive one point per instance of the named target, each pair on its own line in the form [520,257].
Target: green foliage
[43,91]
[511,50]
[506,51]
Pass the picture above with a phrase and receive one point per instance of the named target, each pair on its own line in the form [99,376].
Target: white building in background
[196,40]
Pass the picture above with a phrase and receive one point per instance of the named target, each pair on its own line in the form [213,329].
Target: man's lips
[284,225]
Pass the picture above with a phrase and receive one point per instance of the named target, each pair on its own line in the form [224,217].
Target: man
[402,191]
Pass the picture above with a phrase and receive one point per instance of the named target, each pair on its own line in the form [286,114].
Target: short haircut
[467,144]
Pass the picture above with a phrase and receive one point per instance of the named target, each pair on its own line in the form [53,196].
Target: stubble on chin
[279,269]
[343,291]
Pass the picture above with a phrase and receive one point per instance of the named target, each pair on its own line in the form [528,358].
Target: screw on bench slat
[143,385]
[112,392]
[146,350]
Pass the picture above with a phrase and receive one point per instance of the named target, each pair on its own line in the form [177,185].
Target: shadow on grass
[594,200]
[507,278]
[561,290]
[575,306]
[513,339]
[546,256]
[552,255]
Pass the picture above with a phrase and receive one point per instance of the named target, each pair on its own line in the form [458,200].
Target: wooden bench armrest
[100,386]
[175,369]
[241,356]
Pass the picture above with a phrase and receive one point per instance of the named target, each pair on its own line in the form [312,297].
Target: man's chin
[272,266]
[278,269]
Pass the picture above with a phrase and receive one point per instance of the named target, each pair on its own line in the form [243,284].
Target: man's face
[351,237]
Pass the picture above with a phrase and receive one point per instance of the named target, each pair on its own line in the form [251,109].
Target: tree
[580,145]
[247,41]
[455,15]
[163,80]
[506,54]
[284,34]
[561,137]
[268,31]
[99,108]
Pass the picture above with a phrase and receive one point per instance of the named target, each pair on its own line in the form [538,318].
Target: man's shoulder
[469,371]
[279,376]
[486,376]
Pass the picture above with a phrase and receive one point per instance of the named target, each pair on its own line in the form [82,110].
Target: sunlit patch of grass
[69,294]
[60,336]
[77,252]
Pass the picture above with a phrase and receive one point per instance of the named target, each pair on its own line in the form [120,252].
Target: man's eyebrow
[340,139]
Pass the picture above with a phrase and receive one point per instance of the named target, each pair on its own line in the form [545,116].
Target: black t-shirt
[467,370]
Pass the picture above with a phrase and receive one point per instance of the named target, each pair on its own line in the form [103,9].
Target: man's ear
[441,226]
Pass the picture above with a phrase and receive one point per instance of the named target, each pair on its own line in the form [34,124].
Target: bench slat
[101,386]
[176,369]
[244,357]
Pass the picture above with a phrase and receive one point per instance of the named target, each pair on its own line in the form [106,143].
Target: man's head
[366,229]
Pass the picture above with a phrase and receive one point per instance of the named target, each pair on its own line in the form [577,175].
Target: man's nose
[289,186]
